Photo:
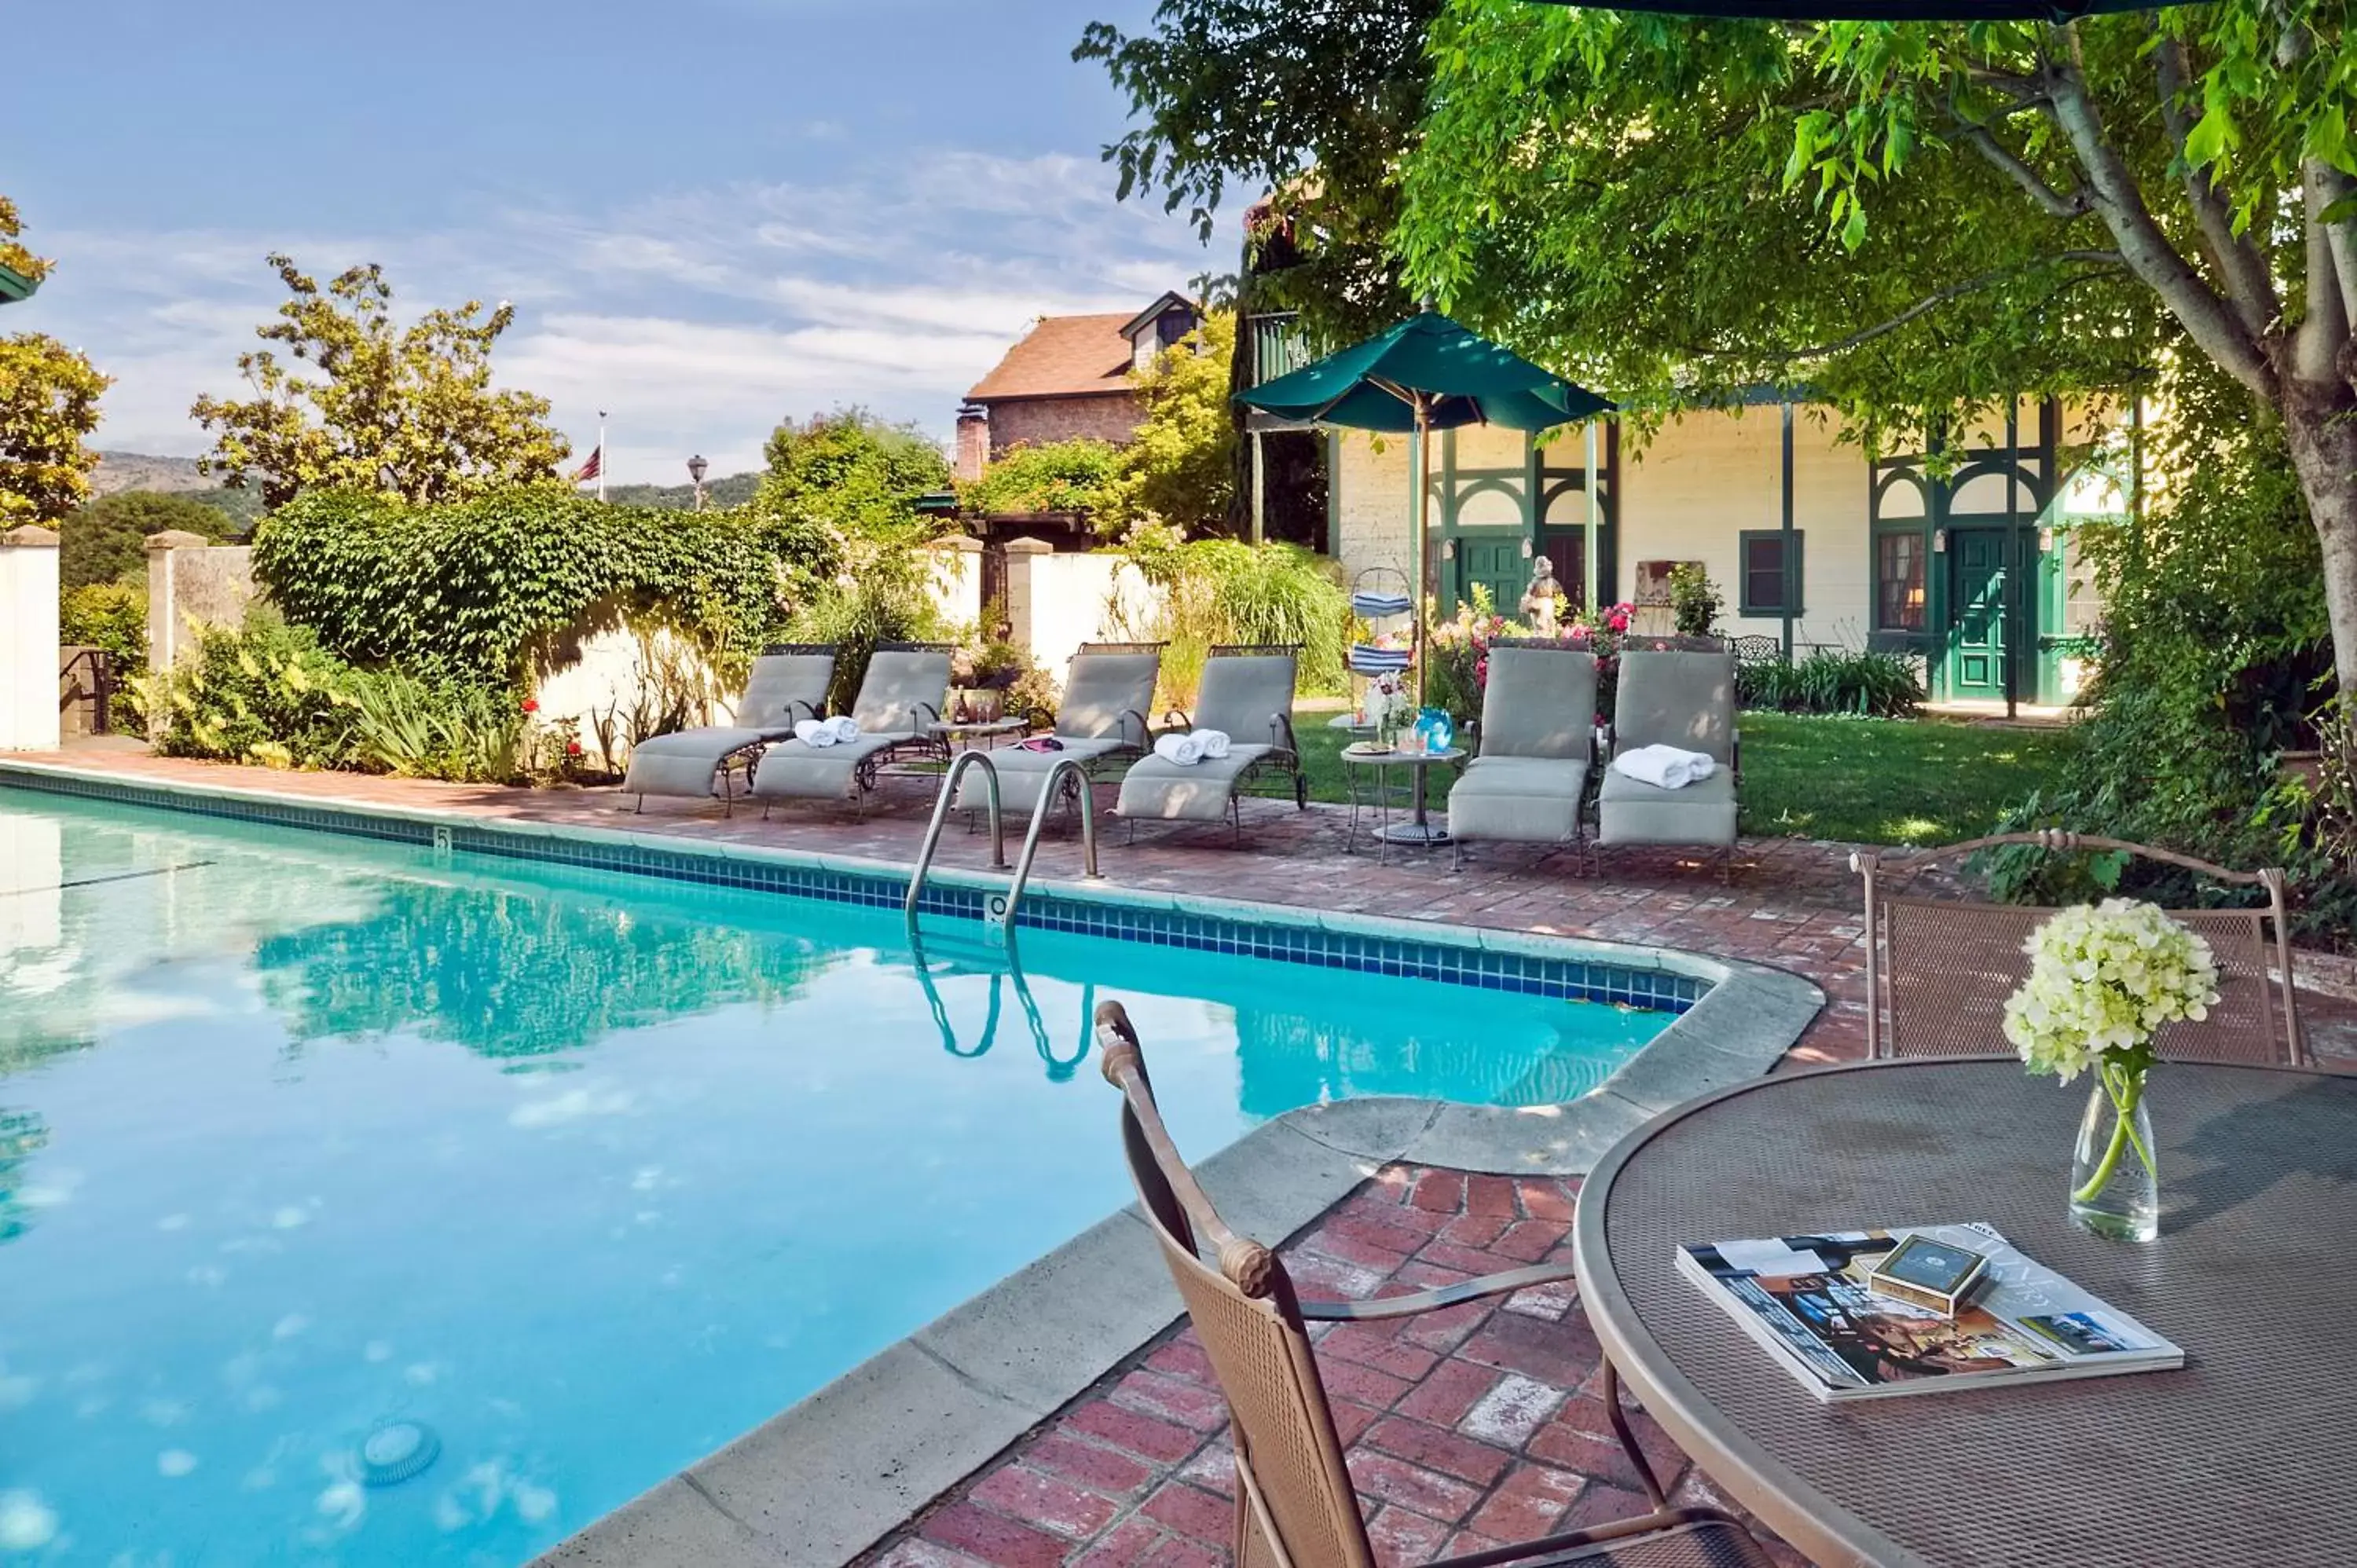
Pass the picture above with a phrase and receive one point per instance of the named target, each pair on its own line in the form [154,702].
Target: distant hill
[735,490]
[121,471]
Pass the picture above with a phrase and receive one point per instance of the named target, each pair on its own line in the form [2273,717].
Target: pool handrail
[941,814]
[1005,918]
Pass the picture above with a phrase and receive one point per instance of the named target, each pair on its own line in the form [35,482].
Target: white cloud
[698,317]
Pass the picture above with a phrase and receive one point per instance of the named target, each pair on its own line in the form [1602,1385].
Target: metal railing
[941,814]
[1002,917]
[100,692]
[1278,347]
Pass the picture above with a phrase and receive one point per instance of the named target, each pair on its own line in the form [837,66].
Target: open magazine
[1806,1299]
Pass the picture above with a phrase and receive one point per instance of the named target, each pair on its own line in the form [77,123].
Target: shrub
[1060,476]
[1695,600]
[883,595]
[262,692]
[1220,591]
[849,472]
[2215,662]
[1865,683]
[106,541]
[113,618]
[430,728]
[482,590]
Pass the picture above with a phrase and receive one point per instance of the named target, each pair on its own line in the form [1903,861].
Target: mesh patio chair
[1295,1504]
[897,708]
[1684,697]
[1529,785]
[1938,971]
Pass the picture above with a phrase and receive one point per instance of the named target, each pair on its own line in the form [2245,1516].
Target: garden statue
[1537,608]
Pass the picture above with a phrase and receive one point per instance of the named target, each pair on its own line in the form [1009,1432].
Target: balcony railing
[1278,347]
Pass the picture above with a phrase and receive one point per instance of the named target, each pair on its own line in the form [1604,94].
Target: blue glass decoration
[1435,729]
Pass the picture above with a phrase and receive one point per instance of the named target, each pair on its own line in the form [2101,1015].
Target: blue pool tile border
[1448,963]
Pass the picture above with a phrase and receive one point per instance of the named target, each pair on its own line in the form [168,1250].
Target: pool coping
[843,1467]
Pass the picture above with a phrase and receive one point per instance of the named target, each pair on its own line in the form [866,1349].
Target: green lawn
[1918,781]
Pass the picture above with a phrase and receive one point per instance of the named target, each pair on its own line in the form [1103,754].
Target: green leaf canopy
[2055,11]
[1459,376]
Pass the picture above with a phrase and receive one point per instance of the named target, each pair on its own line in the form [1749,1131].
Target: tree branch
[2249,285]
[2057,204]
[2207,320]
[2339,235]
[1954,291]
[2323,332]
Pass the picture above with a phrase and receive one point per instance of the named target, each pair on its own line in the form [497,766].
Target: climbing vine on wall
[485,589]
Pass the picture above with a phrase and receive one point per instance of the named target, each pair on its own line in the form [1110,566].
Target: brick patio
[1471,1427]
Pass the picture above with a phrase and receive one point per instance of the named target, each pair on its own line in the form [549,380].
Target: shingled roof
[1062,356]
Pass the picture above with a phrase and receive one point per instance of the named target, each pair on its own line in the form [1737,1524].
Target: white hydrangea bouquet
[2103,979]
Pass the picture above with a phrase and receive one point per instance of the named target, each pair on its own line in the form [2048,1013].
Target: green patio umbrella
[1426,375]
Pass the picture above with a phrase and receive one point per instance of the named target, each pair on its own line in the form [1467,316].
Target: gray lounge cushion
[1630,810]
[1685,700]
[1022,773]
[1519,800]
[903,690]
[1539,703]
[785,687]
[1159,788]
[782,688]
[1108,695]
[687,762]
[1244,694]
[798,771]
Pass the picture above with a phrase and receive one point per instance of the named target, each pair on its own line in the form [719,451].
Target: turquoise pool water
[587,1172]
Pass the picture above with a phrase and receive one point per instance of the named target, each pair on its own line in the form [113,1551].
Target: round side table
[1419,829]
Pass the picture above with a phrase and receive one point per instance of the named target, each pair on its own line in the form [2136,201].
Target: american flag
[591,469]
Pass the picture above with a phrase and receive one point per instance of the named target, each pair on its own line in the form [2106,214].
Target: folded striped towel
[1374,607]
[1368,660]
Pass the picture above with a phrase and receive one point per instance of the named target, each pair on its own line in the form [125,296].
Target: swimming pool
[305,1138]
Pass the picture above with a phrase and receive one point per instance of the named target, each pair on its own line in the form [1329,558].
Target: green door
[1496,562]
[1977,618]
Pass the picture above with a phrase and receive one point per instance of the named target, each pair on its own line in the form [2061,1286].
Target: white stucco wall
[956,584]
[1097,596]
[613,667]
[28,639]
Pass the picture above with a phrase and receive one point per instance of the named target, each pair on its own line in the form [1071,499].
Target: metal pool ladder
[998,909]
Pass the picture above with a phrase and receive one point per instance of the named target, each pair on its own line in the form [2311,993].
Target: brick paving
[1474,1427]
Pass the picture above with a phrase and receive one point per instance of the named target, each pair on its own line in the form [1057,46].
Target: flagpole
[601,454]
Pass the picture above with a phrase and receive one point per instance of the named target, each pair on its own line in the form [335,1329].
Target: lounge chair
[788,683]
[1294,1500]
[1247,693]
[1940,970]
[898,706]
[1685,700]
[1107,695]
[1538,743]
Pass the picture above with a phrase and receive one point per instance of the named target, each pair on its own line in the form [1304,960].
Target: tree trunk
[2320,426]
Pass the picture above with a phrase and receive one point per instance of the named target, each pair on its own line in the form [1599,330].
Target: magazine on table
[1807,1300]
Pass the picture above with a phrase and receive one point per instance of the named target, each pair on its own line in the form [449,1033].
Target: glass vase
[2114,1182]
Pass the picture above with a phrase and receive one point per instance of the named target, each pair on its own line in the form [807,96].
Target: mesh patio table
[2248,1454]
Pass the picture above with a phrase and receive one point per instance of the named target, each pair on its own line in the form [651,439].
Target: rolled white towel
[1663,766]
[1186,750]
[1215,742]
[815,732]
[845,727]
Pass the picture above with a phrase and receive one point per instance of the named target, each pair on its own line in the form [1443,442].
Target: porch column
[1784,545]
[1023,608]
[28,639]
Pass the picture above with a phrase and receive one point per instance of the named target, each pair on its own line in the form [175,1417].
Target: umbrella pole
[1420,472]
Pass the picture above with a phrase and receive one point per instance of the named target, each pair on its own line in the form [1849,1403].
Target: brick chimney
[973,441]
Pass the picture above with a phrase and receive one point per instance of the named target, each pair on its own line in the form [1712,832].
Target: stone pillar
[28,639]
[1023,611]
[166,635]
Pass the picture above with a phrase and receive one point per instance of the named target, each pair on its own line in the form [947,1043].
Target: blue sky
[710,213]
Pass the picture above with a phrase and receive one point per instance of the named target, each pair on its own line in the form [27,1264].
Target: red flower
[572,749]
[532,705]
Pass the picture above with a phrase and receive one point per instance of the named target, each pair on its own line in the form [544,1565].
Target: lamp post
[696,468]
